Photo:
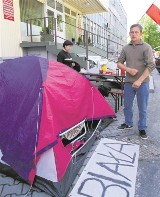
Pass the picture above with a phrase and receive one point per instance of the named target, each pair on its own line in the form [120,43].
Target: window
[31,9]
[51,3]
[59,7]
[50,20]
[94,27]
[59,23]
[70,27]
[88,25]
[84,22]
[91,26]
[67,10]
[73,13]
[98,33]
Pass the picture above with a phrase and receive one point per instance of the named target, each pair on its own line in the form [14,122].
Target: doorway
[52,13]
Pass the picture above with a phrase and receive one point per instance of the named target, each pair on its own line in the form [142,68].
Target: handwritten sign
[74,132]
[8,10]
[110,172]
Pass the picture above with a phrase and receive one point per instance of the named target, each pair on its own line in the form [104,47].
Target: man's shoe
[124,126]
[143,135]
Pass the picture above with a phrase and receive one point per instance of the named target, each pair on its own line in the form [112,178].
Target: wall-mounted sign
[8,10]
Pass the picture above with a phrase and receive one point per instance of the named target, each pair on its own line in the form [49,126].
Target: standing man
[139,64]
[65,57]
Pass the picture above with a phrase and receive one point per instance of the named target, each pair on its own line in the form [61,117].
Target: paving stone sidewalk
[148,176]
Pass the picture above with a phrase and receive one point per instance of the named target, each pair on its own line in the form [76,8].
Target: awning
[87,6]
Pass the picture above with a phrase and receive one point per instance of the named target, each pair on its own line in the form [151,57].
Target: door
[70,27]
[50,21]
[60,24]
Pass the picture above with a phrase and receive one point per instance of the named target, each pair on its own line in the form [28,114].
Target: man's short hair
[137,25]
[66,43]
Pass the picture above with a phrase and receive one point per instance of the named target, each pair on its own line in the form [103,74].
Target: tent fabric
[68,93]
[76,99]
[39,99]
[19,100]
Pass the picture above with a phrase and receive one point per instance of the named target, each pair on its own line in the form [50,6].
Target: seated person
[65,57]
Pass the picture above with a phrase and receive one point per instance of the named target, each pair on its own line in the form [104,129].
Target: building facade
[23,18]
[10,33]
[111,25]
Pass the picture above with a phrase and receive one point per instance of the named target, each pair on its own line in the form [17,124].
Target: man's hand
[73,64]
[137,84]
[132,71]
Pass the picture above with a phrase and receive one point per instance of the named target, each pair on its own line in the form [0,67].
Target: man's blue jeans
[142,94]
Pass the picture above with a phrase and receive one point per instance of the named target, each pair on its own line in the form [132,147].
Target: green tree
[151,31]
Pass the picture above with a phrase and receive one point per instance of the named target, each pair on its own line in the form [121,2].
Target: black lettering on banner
[110,179]
[104,165]
[104,188]
[120,151]
[118,159]
[90,179]
[122,188]
[120,181]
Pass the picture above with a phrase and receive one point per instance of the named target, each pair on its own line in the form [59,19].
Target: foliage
[45,30]
[46,34]
[59,23]
[79,40]
[31,9]
[151,31]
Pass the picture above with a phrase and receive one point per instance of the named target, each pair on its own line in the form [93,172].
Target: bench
[117,95]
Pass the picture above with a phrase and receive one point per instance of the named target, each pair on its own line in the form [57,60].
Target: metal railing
[50,29]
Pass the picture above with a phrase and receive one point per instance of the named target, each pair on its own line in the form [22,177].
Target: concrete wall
[39,52]
[10,36]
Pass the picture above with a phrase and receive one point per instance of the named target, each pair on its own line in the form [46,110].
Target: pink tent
[63,112]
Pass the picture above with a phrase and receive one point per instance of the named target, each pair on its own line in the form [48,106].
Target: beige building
[69,14]
[23,18]
[10,34]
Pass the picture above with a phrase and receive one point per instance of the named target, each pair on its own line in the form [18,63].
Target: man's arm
[131,71]
[145,74]
[150,65]
[120,64]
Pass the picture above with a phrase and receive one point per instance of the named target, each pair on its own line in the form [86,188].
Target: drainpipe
[55,33]
[87,50]
[31,30]
[108,46]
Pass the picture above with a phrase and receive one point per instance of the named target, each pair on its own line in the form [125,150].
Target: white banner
[110,172]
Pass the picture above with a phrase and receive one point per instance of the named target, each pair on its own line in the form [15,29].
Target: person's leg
[142,101]
[129,94]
